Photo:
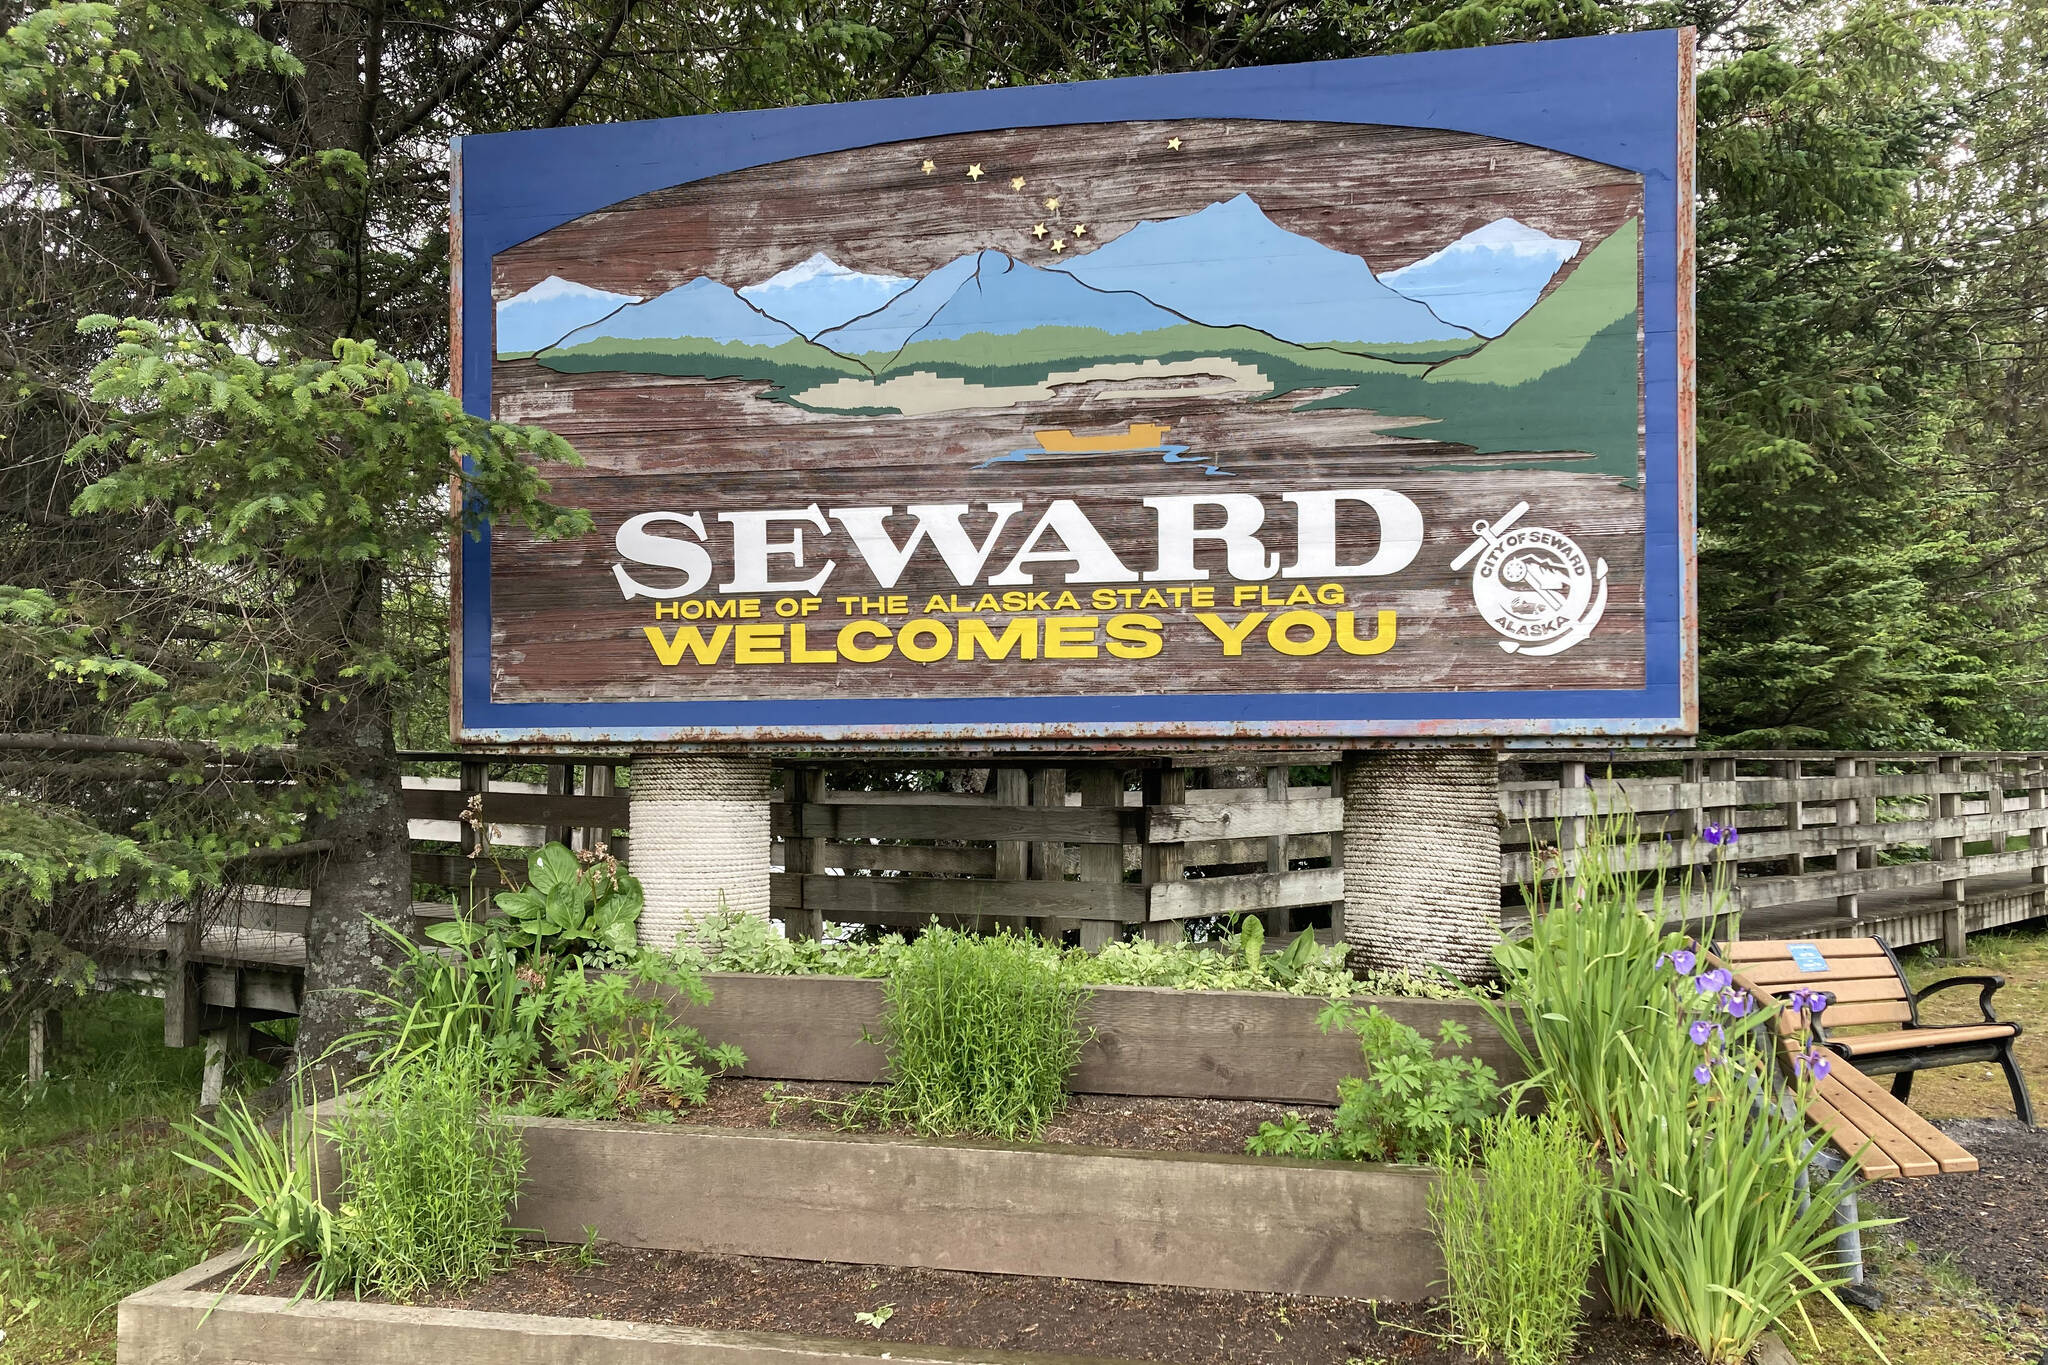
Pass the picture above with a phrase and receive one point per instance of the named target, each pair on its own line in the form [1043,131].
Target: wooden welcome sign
[1339,400]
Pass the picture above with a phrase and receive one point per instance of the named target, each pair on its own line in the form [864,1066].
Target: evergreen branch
[261,129]
[590,68]
[459,78]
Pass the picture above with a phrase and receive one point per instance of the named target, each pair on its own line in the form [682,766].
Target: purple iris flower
[1814,1063]
[1682,961]
[1702,1073]
[1719,835]
[1713,982]
[1700,1031]
[1737,1003]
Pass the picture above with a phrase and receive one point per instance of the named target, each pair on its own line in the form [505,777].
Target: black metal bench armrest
[1988,981]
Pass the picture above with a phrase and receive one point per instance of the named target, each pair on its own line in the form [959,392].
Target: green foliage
[558,1037]
[1586,979]
[982,1034]
[429,1174]
[1718,1227]
[94,1204]
[1410,1105]
[581,904]
[275,1183]
[735,942]
[615,1051]
[1520,1238]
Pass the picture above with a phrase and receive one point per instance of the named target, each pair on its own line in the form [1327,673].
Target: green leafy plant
[879,1317]
[577,904]
[982,1034]
[275,1181]
[437,1002]
[1719,1225]
[615,1051]
[1520,1238]
[1410,1104]
[429,1173]
[732,942]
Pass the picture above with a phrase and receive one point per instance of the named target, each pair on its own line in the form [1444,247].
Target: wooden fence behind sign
[1928,846]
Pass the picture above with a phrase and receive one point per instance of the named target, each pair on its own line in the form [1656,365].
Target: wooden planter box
[1148,1040]
[1263,1224]
[175,1323]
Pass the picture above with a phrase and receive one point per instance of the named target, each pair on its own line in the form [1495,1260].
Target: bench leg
[1902,1086]
[2022,1103]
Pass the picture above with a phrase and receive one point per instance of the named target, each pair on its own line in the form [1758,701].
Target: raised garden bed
[1148,1040]
[639,1307]
[1199,1220]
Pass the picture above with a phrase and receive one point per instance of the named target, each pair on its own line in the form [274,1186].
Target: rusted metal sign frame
[1624,100]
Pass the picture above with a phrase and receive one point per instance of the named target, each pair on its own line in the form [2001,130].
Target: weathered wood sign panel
[1345,400]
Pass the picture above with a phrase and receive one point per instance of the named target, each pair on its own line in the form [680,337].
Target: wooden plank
[1355,1230]
[176,1323]
[1939,1146]
[1911,1159]
[920,859]
[848,900]
[1164,864]
[1250,892]
[1146,1040]
[1211,852]
[1648,795]
[1771,975]
[1761,893]
[1779,950]
[1060,824]
[1849,1015]
[521,808]
[1243,819]
[1851,1141]
[1100,784]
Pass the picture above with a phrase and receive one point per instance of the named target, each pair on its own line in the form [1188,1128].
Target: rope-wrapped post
[1422,859]
[700,833]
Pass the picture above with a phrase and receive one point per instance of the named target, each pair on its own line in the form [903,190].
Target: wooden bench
[1886,1139]
[1864,984]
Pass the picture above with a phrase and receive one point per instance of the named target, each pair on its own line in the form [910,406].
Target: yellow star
[975,172]
[1059,244]
[1173,144]
[1052,206]
[1080,229]
[1016,182]
[1038,230]
[930,165]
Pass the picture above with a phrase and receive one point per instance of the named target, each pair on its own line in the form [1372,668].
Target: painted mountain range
[1455,337]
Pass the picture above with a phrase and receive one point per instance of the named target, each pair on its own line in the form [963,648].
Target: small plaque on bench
[1807,957]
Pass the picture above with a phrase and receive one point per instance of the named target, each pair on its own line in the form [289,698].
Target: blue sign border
[1624,100]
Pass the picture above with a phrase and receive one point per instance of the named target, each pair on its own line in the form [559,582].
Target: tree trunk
[368,876]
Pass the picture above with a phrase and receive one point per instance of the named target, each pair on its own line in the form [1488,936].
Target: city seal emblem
[1534,585]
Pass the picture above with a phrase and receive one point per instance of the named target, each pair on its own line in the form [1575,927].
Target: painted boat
[1136,436]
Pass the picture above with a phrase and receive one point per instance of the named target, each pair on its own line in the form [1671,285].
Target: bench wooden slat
[1786,974]
[1873,1012]
[1854,991]
[1912,1159]
[1910,1039]
[1779,950]
[1938,1145]
[1870,1159]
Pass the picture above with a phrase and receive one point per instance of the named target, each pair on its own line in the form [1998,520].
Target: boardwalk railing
[1932,845]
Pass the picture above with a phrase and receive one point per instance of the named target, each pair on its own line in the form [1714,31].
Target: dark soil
[1152,1125]
[1993,1222]
[993,1312]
